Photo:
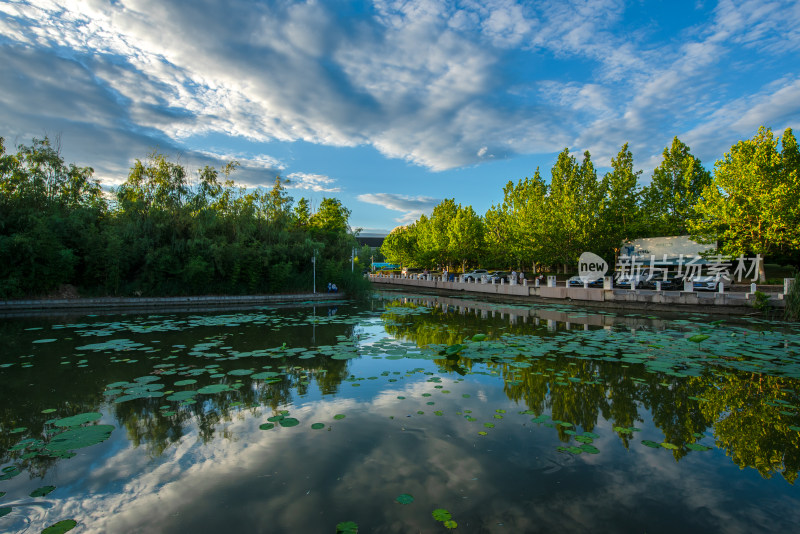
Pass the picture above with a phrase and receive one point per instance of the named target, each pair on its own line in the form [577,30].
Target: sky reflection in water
[210,468]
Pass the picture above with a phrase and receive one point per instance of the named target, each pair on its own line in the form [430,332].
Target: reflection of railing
[554,319]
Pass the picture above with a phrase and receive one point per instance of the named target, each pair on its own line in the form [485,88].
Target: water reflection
[544,377]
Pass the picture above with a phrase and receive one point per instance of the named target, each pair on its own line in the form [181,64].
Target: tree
[302,214]
[677,185]
[572,213]
[620,215]
[434,240]
[331,216]
[752,206]
[400,246]
[465,236]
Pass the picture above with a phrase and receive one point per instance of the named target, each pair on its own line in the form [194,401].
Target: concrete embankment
[34,306]
[728,303]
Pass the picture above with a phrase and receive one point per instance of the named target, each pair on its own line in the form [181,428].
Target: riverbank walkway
[34,306]
[721,302]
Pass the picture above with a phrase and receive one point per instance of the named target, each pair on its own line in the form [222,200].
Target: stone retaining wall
[726,303]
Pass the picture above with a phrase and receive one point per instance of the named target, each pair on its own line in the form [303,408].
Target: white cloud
[312,182]
[413,207]
[440,84]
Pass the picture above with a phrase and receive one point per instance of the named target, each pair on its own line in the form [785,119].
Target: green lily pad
[347,527]
[405,498]
[214,388]
[450,524]
[41,492]
[699,337]
[240,372]
[288,422]
[5,510]
[182,396]
[339,416]
[267,426]
[440,514]
[79,419]
[454,349]
[49,410]
[318,426]
[478,337]
[697,447]
[651,444]
[670,446]
[79,438]
[186,382]
[62,526]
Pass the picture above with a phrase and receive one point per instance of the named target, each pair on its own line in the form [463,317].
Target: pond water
[407,413]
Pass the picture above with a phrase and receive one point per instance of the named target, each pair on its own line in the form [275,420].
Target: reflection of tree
[752,416]
[755,414]
[156,423]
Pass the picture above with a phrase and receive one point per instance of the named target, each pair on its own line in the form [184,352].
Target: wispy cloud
[412,206]
[312,182]
[440,84]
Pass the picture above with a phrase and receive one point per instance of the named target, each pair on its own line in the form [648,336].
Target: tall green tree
[752,206]
[434,240]
[621,216]
[573,209]
[465,235]
[401,246]
[676,186]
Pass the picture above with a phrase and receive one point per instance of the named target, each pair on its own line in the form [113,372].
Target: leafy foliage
[160,233]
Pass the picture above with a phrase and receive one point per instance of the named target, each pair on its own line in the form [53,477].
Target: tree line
[160,233]
[749,205]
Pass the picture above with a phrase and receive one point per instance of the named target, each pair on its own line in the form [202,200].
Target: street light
[314,263]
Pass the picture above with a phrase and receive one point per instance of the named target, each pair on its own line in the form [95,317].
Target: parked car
[475,275]
[673,281]
[576,281]
[710,282]
[496,276]
[634,280]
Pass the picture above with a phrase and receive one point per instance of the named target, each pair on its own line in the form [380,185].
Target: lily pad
[339,416]
[318,426]
[5,510]
[41,492]
[267,426]
[214,388]
[651,444]
[288,421]
[405,498]
[79,438]
[186,382]
[697,338]
[62,526]
[440,514]
[347,527]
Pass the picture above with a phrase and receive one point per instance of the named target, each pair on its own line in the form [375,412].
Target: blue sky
[393,105]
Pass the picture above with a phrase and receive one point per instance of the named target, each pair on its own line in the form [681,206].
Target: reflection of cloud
[303,480]
[313,182]
[413,207]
